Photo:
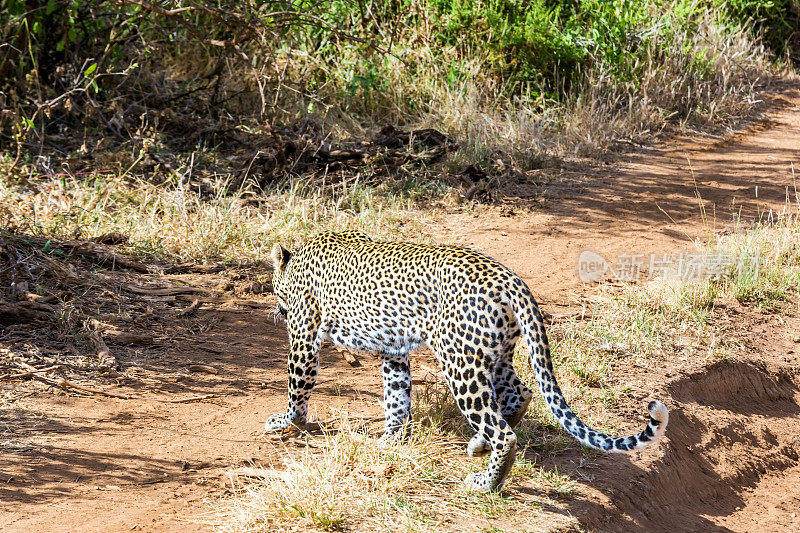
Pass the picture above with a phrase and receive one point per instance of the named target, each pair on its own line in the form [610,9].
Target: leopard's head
[280,262]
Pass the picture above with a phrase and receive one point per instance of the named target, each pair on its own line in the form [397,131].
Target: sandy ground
[729,463]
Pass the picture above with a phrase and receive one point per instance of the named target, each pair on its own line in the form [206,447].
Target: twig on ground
[21,292]
[104,355]
[120,337]
[68,385]
[98,253]
[24,311]
[29,373]
[206,369]
[193,267]
[349,356]
[164,291]
[104,255]
[195,305]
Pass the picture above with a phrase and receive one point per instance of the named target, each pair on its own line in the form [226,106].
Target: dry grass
[765,261]
[175,222]
[345,479]
[755,262]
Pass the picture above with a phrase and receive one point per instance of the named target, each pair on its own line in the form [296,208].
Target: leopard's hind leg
[511,393]
[396,394]
[468,373]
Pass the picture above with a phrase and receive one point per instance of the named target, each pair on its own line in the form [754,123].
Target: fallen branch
[104,355]
[104,255]
[98,253]
[206,369]
[21,293]
[25,311]
[29,373]
[193,267]
[135,339]
[129,339]
[70,386]
[253,304]
[67,385]
[120,337]
[164,291]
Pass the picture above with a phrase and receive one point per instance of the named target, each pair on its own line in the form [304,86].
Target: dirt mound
[734,427]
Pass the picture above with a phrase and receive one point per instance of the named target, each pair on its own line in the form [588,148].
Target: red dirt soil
[729,461]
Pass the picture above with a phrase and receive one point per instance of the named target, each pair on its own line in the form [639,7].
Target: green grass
[765,261]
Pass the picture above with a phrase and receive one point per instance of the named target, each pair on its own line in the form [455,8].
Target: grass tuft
[345,477]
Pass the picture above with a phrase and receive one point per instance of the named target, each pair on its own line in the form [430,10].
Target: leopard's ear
[280,256]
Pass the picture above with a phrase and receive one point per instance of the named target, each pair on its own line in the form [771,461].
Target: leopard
[391,298]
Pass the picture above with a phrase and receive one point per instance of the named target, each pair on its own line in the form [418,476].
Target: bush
[505,73]
[777,20]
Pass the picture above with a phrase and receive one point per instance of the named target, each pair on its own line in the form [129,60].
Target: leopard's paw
[478,446]
[277,422]
[478,482]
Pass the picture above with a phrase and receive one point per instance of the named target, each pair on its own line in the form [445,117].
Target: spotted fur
[390,298]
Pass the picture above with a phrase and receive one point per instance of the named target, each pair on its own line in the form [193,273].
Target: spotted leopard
[390,298]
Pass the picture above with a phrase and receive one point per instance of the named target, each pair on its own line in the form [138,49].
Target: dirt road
[649,203]
[731,463]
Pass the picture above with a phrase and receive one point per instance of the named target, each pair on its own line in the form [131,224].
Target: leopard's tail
[530,321]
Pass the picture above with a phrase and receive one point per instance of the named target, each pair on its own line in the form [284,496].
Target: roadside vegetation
[275,96]
[170,221]
[767,259]
[249,121]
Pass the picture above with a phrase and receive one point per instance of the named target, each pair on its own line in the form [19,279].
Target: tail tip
[659,413]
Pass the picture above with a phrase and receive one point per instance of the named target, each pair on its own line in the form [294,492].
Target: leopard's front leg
[304,340]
